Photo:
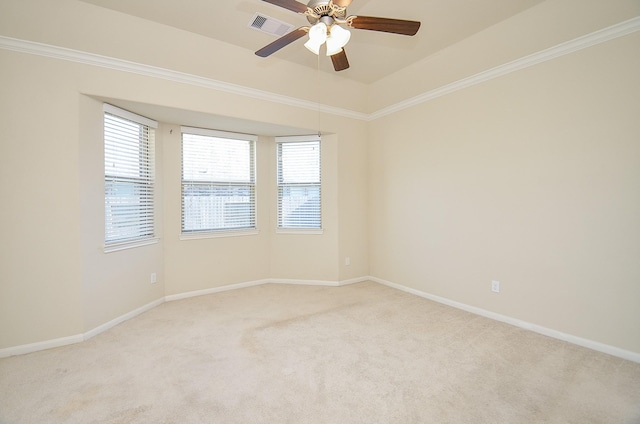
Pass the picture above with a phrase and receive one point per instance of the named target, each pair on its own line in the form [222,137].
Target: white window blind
[128,176]
[299,182]
[218,181]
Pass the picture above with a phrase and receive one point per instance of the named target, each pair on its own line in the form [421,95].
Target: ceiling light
[337,39]
[317,37]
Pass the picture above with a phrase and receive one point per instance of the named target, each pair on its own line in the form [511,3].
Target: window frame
[297,229]
[219,232]
[145,184]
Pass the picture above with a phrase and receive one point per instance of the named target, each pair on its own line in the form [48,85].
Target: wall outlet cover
[495,286]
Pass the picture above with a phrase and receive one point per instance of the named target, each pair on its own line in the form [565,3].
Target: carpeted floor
[364,353]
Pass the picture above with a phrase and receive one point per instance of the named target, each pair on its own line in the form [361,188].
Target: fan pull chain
[318,92]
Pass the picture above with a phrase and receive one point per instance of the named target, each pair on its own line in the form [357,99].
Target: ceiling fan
[326,18]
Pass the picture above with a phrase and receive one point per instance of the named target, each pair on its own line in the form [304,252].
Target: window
[299,200]
[128,178]
[218,181]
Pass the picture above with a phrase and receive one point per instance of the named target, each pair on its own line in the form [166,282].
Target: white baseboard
[354,281]
[212,290]
[34,347]
[590,344]
[327,283]
[63,341]
[106,326]
[298,282]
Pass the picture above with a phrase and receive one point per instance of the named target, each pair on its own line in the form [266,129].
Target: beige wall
[56,280]
[353,212]
[310,256]
[200,264]
[114,283]
[106,286]
[531,179]
[40,290]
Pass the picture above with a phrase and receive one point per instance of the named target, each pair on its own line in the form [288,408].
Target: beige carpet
[364,353]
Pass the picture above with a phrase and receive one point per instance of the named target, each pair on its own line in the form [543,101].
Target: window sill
[217,234]
[115,247]
[307,231]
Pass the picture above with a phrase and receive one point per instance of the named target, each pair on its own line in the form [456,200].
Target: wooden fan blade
[292,5]
[342,3]
[281,42]
[340,61]
[395,26]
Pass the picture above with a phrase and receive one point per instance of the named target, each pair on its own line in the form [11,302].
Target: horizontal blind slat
[129,178]
[299,184]
[218,182]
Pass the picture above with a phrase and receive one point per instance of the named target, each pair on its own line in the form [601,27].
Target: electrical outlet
[495,286]
[154,278]
[347,261]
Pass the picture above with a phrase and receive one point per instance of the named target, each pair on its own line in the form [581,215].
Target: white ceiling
[372,55]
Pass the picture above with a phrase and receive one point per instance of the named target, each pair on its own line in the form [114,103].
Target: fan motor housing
[322,8]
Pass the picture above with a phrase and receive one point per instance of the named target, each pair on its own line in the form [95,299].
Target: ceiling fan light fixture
[326,18]
[317,37]
[337,39]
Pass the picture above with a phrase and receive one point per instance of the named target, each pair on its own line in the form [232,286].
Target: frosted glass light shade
[333,47]
[317,36]
[313,46]
[338,38]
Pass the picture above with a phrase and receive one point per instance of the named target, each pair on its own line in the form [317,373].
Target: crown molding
[62,53]
[615,31]
[92,59]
